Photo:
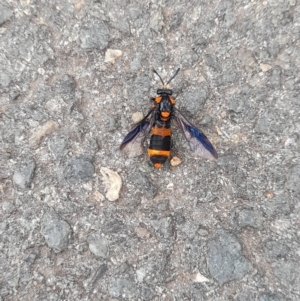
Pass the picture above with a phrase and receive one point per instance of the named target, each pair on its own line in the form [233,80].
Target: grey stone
[195,98]
[224,7]
[134,11]
[236,105]
[287,273]
[96,276]
[160,53]
[143,183]
[198,293]
[136,63]
[230,19]
[56,231]
[271,297]
[5,172]
[262,125]
[180,218]
[164,226]
[6,13]
[287,17]
[122,25]
[111,123]
[240,108]
[157,20]
[200,42]
[141,86]
[25,273]
[8,207]
[94,37]
[190,229]
[98,245]
[154,270]
[247,294]
[48,296]
[122,288]
[225,260]
[8,136]
[241,182]
[146,293]
[176,20]
[12,278]
[275,78]
[247,217]
[132,204]
[206,120]
[3,226]
[191,255]
[280,204]
[58,146]
[114,226]
[5,79]
[79,169]
[228,77]
[163,205]
[212,62]
[65,86]
[294,179]
[229,163]
[189,59]
[30,258]
[277,249]
[23,176]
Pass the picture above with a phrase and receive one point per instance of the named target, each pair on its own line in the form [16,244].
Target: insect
[158,123]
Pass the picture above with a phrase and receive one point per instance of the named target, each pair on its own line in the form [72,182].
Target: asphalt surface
[73,74]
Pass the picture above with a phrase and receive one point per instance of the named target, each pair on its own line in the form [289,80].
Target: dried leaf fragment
[113,183]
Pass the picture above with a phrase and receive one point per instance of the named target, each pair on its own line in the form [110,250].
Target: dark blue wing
[132,144]
[140,127]
[197,141]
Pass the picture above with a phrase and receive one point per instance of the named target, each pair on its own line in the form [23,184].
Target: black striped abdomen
[160,145]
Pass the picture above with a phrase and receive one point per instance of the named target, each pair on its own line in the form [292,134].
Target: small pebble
[111,55]
[98,245]
[23,176]
[175,161]
[265,67]
[56,231]
[268,194]
[137,116]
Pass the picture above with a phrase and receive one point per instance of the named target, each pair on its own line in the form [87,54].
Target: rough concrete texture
[72,74]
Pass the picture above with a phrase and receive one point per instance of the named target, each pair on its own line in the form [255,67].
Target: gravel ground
[72,75]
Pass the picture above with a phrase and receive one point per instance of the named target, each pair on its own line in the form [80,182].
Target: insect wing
[197,141]
[132,144]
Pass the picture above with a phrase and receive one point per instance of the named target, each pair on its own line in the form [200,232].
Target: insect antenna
[173,75]
[158,76]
